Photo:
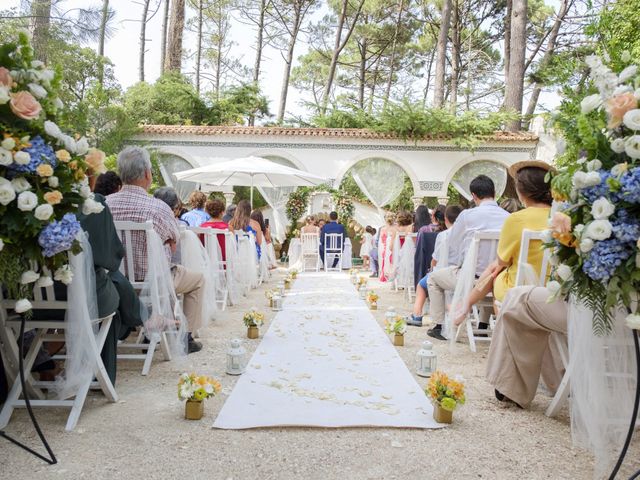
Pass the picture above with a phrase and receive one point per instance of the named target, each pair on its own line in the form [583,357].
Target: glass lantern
[390,316]
[236,362]
[281,288]
[426,360]
[363,291]
[277,302]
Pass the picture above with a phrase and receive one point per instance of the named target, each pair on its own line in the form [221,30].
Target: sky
[123,49]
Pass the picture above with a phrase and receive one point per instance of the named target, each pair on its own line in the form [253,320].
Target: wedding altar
[325,362]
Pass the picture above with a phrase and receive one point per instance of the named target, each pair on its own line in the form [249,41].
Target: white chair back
[333,243]
[131,233]
[524,268]
[310,243]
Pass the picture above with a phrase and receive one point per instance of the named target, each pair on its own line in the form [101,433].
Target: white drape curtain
[277,198]
[381,180]
[493,170]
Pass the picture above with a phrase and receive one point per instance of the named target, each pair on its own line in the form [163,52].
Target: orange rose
[617,106]
[95,160]
[53,198]
[5,78]
[25,105]
[566,239]
[73,165]
[63,156]
[44,170]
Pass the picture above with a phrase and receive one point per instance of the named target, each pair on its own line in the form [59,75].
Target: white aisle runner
[325,362]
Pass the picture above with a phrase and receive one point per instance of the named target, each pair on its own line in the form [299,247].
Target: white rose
[4,95]
[620,89]
[7,193]
[590,103]
[20,184]
[585,179]
[52,129]
[85,191]
[617,145]
[53,182]
[554,288]
[586,244]
[27,201]
[627,73]
[578,179]
[29,277]
[22,306]
[633,321]
[592,178]
[44,281]
[91,206]
[43,212]
[594,165]
[22,158]
[82,146]
[37,90]
[632,119]
[69,143]
[8,143]
[564,272]
[602,209]
[632,146]
[63,274]
[598,230]
[5,157]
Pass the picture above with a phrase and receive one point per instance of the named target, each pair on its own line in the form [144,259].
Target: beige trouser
[191,285]
[520,348]
[437,283]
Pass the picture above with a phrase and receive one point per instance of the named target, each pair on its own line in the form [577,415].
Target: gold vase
[441,415]
[252,332]
[373,306]
[271,303]
[194,409]
[398,340]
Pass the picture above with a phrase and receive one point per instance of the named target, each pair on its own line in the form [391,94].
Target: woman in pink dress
[386,239]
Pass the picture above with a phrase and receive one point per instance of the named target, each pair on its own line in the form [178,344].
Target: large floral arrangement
[43,181]
[253,318]
[446,392]
[197,387]
[595,235]
[344,205]
[297,205]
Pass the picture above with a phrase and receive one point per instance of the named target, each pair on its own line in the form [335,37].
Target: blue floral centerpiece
[43,177]
[595,234]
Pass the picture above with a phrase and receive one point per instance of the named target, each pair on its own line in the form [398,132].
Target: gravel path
[144,435]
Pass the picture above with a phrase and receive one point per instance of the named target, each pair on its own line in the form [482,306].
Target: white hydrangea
[27,201]
[20,184]
[85,191]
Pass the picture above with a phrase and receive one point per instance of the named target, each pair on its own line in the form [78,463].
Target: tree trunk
[143,40]
[441,59]
[392,60]
[173,60]
[455,57]
[514,84]
[40,22]
[429,75]
[259,46]
[362,48]
[199,46]
[163,39]
[507,37]
[297,22]
[103,29]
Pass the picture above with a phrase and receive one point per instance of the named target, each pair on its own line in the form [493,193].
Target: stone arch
[384,155]
[482,157]
[176,160]
[281,154]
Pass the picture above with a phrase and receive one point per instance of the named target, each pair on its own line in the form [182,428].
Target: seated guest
[438,262]
[242,221]
[310,225]
[332,227]
[425,245]
[215,209]
[197,215]
[107,183]
[229,213]
[134,204]
[486,216]
[169,196]
[535,194]
[422,218]
[436,220]
[520,349]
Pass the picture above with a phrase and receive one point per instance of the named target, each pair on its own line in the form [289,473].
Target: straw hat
[516,167]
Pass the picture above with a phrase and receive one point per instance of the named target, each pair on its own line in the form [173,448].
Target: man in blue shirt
[332,227]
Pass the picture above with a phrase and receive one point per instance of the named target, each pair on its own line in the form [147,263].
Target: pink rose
[25,106]
[5,78]
[619,105]
[561,223]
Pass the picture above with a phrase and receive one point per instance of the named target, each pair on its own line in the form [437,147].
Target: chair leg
[164,346]
[561,396]
[149,357]
[470,334]
[101,373]
[78,403]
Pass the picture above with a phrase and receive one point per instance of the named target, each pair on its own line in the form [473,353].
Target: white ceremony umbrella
[250,172]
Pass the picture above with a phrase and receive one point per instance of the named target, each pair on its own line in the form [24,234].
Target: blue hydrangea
[58,236]
[605,257]
[591,194]
[626,228]
[40,152]
[630,186]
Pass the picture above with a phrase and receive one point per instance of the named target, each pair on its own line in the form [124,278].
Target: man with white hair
[133,203]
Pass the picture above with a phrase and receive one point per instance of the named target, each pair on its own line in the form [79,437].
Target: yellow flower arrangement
[398,327]
[269,294]
[446,392]
[362,281]
[253,318]
[197,387]
[372,297]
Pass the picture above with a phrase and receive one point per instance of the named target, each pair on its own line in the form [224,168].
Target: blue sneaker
[414,321]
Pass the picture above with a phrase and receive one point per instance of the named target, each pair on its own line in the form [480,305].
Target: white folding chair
[212,246]
[44,299]
[310,250]
[333,243]
[128,233]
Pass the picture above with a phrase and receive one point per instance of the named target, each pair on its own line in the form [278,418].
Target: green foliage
[237,104]
[344,206]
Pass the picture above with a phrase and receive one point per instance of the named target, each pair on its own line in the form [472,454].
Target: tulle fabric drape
[264,262]
[404,270]
[381,180]
[468,172]
[277,198]
[464,285]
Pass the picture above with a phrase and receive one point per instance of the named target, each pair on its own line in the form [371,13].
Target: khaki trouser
[437,283]
[520,348]
[191,285]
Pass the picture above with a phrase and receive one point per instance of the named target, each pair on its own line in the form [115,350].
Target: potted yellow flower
[269,294]
[446,394]
[253,320]
[372,298]
[194,389]
[398,327]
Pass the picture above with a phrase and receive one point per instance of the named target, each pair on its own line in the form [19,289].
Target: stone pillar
[443,200]
[417,201]
[228,197]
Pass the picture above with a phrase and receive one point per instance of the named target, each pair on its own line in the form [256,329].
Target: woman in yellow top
[535,194]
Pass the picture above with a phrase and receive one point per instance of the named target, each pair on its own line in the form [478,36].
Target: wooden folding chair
[44,299]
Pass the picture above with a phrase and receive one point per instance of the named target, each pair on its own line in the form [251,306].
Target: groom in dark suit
[332,227]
